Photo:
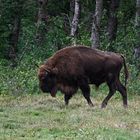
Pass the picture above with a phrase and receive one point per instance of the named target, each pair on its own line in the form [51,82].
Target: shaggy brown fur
[77,67]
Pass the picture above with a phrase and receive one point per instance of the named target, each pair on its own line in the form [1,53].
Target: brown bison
[77,67]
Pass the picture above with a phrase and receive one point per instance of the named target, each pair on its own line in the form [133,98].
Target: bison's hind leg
[112,90]
[123,92]
[111,82]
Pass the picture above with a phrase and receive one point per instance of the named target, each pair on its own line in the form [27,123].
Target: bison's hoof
[103,105]
[125,105]
[91,105]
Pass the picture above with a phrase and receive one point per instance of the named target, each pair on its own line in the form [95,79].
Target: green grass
[41,117]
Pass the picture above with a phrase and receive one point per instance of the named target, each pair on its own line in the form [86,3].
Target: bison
[77,67]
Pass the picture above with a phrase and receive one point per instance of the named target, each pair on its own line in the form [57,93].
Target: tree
[112,19]
[72,7]
[137,20]
[15,29]
[95,33]
[41,21]
[74,24]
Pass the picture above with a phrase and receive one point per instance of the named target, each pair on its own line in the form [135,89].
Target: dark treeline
[31,31]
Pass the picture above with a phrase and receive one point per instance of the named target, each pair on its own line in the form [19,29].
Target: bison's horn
[47,70]
[53,71]
[43,67]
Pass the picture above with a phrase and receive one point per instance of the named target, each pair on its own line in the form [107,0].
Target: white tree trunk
[137,20]
[95,37]
[74,25]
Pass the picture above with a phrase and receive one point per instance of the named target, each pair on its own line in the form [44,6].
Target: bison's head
[47,80]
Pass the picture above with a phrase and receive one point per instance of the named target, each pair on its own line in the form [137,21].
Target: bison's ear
[54,71]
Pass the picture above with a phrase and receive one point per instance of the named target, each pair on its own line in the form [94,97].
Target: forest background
[31,31]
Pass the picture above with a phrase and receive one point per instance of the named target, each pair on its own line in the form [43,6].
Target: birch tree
[95,33]
[137,20]
[75,21]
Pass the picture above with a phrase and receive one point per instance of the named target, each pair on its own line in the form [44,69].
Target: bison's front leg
[67,97]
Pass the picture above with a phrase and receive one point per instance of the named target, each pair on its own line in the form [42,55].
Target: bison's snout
[52,92]
[44,89]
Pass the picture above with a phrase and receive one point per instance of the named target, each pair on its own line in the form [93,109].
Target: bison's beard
[53,91]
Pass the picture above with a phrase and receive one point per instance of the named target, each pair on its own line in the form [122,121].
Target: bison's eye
[42,78]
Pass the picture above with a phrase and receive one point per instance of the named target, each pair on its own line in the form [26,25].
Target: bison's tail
[125,70]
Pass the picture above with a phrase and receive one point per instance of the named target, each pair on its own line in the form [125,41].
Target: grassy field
[41,117]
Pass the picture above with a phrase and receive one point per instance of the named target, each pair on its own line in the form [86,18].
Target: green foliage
[126,10]
[23,78]
[18,81]
[134,78]
[56,36]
